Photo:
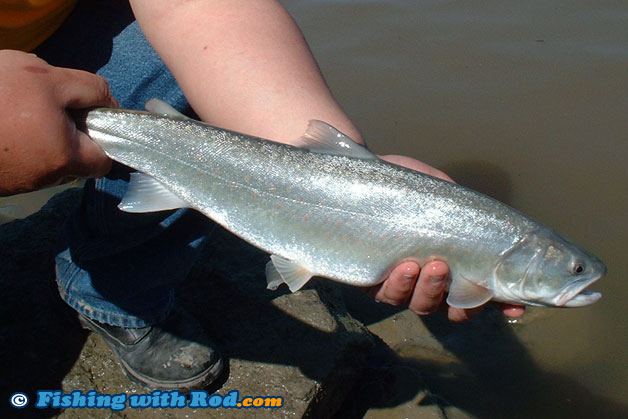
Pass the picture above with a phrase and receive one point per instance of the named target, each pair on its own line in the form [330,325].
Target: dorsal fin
[325,139]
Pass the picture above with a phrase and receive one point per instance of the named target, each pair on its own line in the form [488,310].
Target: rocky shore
[304,347]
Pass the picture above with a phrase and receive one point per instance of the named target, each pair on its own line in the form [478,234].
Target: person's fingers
[423,289]
[398,287]
[512,311]
[459,315]
[89,160]
[78,90]
[417,165]
[81,89]
[430,288]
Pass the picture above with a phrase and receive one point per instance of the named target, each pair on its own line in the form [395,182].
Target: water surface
[527,102]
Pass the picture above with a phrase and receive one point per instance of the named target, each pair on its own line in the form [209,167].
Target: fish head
[544,269]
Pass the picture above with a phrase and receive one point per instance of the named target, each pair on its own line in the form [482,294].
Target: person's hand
[422,289]
[39,143]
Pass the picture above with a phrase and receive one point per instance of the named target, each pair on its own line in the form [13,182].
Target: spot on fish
[254,195]
[339,223]
[233,185]
[278,206]
[247,177]
[272,189]
[306,218]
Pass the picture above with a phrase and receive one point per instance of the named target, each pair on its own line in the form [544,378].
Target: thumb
[88,160]
[81,89]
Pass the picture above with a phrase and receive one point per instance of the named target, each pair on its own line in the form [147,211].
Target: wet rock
[303,347]
[397,382]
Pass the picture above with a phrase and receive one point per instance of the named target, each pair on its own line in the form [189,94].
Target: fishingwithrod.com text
[196,399]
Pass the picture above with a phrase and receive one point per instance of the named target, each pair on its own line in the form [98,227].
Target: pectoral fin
[467,294]
[146,194]
[280,270]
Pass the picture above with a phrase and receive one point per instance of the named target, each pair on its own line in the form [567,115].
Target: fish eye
[577,268]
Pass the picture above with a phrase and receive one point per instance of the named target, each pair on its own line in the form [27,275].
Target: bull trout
[331,208]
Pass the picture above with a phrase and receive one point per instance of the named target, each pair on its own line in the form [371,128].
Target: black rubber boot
[175,354]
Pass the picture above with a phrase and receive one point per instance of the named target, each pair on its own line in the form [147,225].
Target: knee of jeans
[65,270]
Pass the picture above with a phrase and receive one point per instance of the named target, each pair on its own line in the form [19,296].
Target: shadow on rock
[309,335]
[40,340]
[227,292]
[479,367]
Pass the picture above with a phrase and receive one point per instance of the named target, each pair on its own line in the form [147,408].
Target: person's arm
[244,65]
[39,143]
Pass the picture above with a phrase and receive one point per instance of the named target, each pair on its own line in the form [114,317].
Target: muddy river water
[526,102]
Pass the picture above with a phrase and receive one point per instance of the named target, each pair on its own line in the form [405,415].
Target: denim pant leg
[121,268]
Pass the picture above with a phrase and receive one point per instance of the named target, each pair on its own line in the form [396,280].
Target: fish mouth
[575,295]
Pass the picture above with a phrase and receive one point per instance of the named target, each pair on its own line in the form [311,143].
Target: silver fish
[331,208]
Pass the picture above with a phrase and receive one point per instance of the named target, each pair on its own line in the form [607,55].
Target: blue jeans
[121,268]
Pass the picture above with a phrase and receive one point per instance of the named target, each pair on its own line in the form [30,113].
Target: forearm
[242,64]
